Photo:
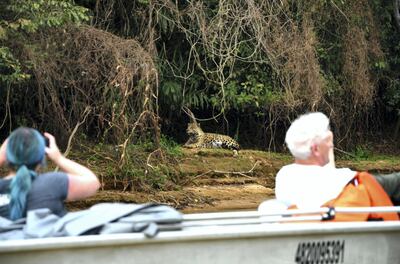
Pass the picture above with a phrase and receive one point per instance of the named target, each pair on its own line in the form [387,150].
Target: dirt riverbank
[215,180]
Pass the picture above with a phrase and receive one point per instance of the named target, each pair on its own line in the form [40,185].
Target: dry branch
[241,173]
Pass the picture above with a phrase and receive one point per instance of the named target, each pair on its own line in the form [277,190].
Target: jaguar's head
[194,129]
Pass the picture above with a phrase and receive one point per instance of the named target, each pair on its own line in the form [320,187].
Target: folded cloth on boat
[104,218]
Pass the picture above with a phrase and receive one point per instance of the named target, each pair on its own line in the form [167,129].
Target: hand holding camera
[52,150]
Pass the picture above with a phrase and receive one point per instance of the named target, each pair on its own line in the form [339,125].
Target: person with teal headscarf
[24,188]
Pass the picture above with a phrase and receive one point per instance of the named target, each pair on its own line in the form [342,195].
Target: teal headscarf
[25,151]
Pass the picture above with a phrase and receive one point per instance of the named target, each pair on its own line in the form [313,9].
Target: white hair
[306,130]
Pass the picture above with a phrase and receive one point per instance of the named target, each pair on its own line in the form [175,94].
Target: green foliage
[174,94]
[170,146]
[254,92]
[230,57]
[10,67]
[388,68]
[31,15]
[144,2]
[362,153]
[205,69]
[136,178]
[143,169]
[171,92]
[21,17]
[392,96]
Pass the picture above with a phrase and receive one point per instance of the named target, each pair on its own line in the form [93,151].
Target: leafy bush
[21,17]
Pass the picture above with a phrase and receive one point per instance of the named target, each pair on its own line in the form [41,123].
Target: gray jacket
[104,218]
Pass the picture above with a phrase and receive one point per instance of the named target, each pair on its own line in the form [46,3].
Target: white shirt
[310,186]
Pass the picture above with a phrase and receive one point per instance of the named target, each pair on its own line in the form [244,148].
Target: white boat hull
[351,242]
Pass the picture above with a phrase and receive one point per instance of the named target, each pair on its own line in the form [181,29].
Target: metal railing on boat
[281,216]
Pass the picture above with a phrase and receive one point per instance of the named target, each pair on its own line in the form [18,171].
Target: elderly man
[314,181]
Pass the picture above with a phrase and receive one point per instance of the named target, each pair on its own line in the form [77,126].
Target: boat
[289,236]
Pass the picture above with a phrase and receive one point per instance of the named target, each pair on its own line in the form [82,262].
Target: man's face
[323,150]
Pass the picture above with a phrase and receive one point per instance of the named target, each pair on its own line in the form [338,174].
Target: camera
[46,140]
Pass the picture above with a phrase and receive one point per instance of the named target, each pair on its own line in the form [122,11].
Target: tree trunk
[396,5]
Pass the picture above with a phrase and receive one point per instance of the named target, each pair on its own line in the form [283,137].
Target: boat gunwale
[201,234]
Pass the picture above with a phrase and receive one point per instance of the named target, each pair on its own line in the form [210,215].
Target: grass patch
[140,167]
[148,169]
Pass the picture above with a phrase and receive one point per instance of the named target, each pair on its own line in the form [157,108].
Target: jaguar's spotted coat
[200,139]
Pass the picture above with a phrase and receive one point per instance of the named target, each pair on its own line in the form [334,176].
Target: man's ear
[314,150]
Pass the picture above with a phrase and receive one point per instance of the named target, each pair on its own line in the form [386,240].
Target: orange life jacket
[362,191]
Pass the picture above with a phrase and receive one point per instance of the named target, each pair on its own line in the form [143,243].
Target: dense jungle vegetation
[115,74]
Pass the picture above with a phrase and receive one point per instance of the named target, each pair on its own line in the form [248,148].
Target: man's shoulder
[345,172]
[310,170]
[295,168]
[289,167]
[291,170]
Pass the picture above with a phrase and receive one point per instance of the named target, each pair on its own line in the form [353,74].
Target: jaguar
[199,139]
